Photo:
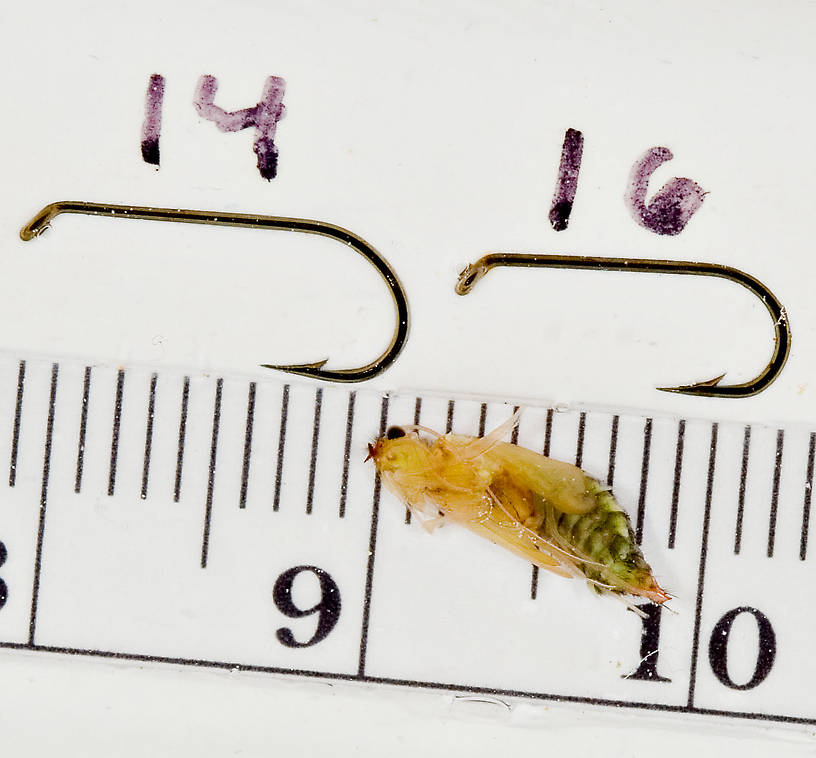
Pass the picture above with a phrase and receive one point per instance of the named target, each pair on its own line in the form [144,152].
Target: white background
[435,133]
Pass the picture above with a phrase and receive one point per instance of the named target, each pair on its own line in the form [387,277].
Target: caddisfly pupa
[548,512]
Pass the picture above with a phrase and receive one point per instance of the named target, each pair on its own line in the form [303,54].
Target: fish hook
[708,388]
[43,219]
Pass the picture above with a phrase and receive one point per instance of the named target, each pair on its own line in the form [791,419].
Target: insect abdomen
[604,535]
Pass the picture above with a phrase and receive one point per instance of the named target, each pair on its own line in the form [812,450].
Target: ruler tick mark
[372,547]
[250,420]
[347,454]
[579,457]
[117,416]
[185,399]
[482,419]
[644,477]
[808,493]
[281,445]
[514,435]
[613,447]
[678,469]
[151,407]
[313,460]
[695,646]
[417,414]
[83,424]
[49,430]
[579,446]
[18,414]
[746,448]
[548,431]
[546,452]
[205,542]
[449,422]
[780,441]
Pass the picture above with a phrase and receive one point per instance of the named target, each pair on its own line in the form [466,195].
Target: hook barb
[42,220]
[708,388]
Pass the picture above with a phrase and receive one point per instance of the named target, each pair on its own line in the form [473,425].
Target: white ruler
[223,523]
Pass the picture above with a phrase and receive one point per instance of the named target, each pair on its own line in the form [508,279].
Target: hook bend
[43,219]
[709,388]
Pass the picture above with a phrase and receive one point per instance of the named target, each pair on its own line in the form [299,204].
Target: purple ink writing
[264,116]
[567,182]
[151,127]
[673,204]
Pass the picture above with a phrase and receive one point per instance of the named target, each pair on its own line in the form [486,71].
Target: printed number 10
[717,648]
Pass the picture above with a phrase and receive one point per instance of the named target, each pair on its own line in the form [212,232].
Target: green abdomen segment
[604,536]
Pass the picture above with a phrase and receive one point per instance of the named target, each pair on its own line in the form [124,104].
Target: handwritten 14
[669,211]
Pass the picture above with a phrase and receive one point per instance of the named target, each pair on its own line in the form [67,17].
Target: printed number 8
[328,609]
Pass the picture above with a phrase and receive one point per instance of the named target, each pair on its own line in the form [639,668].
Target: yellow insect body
[546,511]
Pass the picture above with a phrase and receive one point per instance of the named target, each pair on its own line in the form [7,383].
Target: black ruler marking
[613,449]
[808,492]
[695,645]
[250,420]
[482,419]
[185,399]
[372,547]
[375,508]
[205,542]
[546,451]
[18,415]
[418,683]
[548,431]
[678,470]
[579,445]
[746,448]
[780,441]
[644,478]
[83,425]
[514,435]
[49,430]
[117,417]
[449,422]
[151,408]
[313,460]
[347,454]
[281,445]
[417,413]
[579,454]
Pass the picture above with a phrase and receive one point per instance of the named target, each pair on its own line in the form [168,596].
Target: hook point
[304,369]
[698,388]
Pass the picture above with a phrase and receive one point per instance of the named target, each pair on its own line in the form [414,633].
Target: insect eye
[394,433]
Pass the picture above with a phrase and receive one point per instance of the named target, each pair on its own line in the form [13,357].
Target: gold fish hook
[708,388]
[43,219]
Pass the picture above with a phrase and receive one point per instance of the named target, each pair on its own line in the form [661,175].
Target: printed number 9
[328,609]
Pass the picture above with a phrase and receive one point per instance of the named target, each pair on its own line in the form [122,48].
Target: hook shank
[708,388]
[43,219]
